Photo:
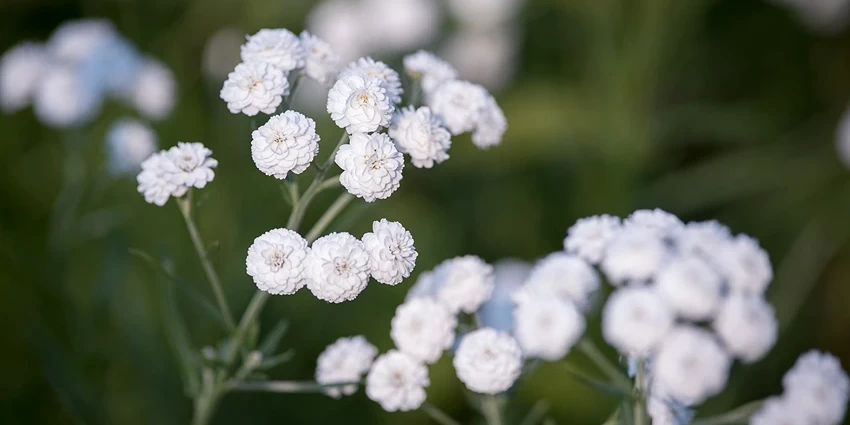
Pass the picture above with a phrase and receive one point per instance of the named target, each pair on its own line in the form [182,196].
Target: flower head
[635,320]
[154,90]
[370,68]
[691,287]
[286,143]
[665,224]
[818,387]
[491,125]
[564,276]
[423,328]
[459,104]
[276,261]
[21,68]
[322,63]
[547,327]
[66,98]
[634,255]
[277,47]
[430,70]
[488,361]
[391,249]
[371,166]
[691,366]
[190,165]
[425,287]
[76,40]
[745,265]
[337,268]
[589,237]
[153,180]
[397,382]
[254,87]
[747,326]
[129,142]
[359,104]
[779,411]
[420,134]
[346,360]
[464,283]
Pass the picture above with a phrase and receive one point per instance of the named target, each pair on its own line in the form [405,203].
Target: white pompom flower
[129,142]
[420,134]
[397,382]
[254,87]
[745,265]
[423,328]
[459,104]
[430,70]
[153,182]
[370,68]
[691,287]
[589,236]
[778,411]
[665,224]
[564,276]
[359,104]
[392,253]
[491,125]
[346,360]
[154,91]
[371,166]
[425,287]
[337,268]
[189,165]
[321,62]
[705,239]
[691,366]
[287,143]
[488,361]
[747,326]
[66,97]
[464,283]
[818,387]
[21,68]
[547,327]
[636,320]
[277,47]
[276,261]
[635,255]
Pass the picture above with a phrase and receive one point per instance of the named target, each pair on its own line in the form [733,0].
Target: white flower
[189,165]
[423,328]
[76,40]
[430,70]
[691,287]
[286,143]
[690,365]
[391,249]
[153,180]
[489,57]
[747,326]
[425,287]
[21,68]
[397,382]
[491,125]
[370,68]
[420,134]
[254,87]
[276,261]
[404,24]
[128,143]
[488,361]
[277,47]
[498,311]
[818,387]
[65,98]
[779,411]
[484,14]
[337,268]
[745,265]
[589,237]
[464,283]
[460,105]
[842,136]
[547,327]
[667,225]
[634,255]
[359,104]
[153,93]
[322,63]
[346,360]
[635,320]
[564,276]
[371,166]
[706,239]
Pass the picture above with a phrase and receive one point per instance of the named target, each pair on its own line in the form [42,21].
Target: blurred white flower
[154,91]
[491,125]
[339,22]
[276,261]
[371,166]
[745,265]
[818,387]
[286,143]
[691,287]
[589,237]
[690,365]
[464,283]
[778,411]
[76,40]
[425,287]
[423,328]
[488,57]
[825,16]
[665,224]
[485,13]
[369,68]
[65,98]
[397,382]
[392,253]
[405,24]
[128,143]
[420,134]
[254,87]
[842,137]
[346,360]
[429,70]
[705,239]
[747,326]
[563,276]
[547,327]
[459,104]
[172,172]
[277,47]
[337,268]
[635,320]
[488,361]
[221,53]
[153,180]
[322,63]
[359,104]
[634,255]
[498,311]
[21,69]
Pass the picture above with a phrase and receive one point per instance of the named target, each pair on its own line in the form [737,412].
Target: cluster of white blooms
[286,143]
[174,171]
[345,361]
[816,392]
[67,78]
[468,107]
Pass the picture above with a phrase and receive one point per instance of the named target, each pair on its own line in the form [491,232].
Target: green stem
[739,415]
[293,87]
[639,401]
[492,410]
[437,414]
[536,414]
[585,379]
[315,187]
[589,349]
[332,212]
[255,306]
[185,204]
[286,386]
[207,401]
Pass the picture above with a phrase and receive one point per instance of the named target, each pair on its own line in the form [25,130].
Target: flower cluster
[174,171]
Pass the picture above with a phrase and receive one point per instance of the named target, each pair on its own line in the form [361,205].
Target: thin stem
[286,386]
[185,204]
[255,306]
[536,414]
[639,403]
[492,410]
[315,187]
[738,415]
[438,415]
[589,349]
[585,379]
[332,212]
[206,403]
[293,87]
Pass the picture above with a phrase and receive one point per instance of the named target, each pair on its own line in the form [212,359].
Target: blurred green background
[720,109]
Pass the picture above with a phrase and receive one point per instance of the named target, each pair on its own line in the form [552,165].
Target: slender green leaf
[272,340]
